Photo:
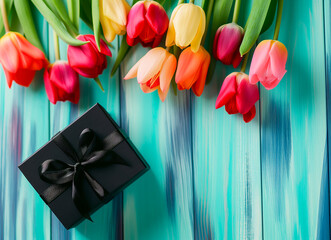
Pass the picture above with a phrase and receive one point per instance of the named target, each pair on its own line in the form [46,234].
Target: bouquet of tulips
[184,57]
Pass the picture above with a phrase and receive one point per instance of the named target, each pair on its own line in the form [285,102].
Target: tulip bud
[238,96]
[20,59]
[268,63]
[227,42]
[187,26]
[113,17]
[147,22]
[154,71]
[87,60]
[61,83]
[192,70]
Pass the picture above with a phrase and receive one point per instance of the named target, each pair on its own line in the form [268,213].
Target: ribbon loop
[60,173]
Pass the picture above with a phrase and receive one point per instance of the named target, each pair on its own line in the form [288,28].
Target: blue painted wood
[24,128]
[293,132]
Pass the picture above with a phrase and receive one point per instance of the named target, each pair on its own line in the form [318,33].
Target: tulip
[268,63]
[154,71]
[238,96]
[227,42]
[187,26]
[147,22]
[113,17]
[87,60]
[20,59]
[192,70]
[61,83]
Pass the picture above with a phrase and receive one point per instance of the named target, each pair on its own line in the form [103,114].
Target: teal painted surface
[212,176]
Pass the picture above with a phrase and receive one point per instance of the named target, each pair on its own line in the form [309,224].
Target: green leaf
[254,24]
[59,9]
[9,4]
[124,49]
[96,21]
[270,16]
[56,24]
[221,12]
[74,10]
[23,11]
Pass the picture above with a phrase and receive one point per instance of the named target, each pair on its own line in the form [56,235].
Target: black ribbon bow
[61,174]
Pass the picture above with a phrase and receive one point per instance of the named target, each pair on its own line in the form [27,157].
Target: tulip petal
[147,89]
[171,34]
[278,58]
[147,35]
[195,44]
[215,44]
[163,94]
[199,85]
[167,72]
[151,64]
[231,106]
[116,10]
[23,77]
[236,59]
[249,115]
[228,90]
[133,71]
[136,20]
[157,18]
[186,24]
[260,61]
[50,90]
[10,59]
[247,96]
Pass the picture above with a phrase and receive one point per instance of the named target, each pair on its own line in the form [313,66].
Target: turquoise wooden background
[212,176]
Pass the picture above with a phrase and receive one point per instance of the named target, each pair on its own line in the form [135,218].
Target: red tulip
[61,83]
[86,59]
[268,63]
[192,70]
[20,59]
[147,22]
[238,96]
[227,42]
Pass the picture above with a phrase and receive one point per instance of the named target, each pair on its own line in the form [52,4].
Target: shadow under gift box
[112,177]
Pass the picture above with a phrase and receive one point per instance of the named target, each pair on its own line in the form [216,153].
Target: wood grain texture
[24,129]
[293,132]
[107,222]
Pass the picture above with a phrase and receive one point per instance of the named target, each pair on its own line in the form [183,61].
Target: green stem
[180,2]
[209,12]
[56,46]
[243,66]
[4,15]
[279,18]
[192,1]
[236,11]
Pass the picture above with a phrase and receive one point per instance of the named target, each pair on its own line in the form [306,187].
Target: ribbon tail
[98,189]
[77,197]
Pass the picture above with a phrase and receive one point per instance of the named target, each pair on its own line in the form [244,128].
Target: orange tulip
[192,70]
[20,59]
[268,63]
[154,71]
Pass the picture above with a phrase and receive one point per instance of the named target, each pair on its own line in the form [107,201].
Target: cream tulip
[113,17]
[187,26]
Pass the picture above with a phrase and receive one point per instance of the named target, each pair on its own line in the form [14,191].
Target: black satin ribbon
[91,155]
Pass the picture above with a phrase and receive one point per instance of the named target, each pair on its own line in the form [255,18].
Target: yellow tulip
[113,17]
[187,26]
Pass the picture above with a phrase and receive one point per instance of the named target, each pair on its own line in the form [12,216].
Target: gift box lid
[113,175]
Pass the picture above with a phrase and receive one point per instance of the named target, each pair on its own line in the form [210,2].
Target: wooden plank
[158,205]
[226,159]
[293,132]
[24,115]
[107,223]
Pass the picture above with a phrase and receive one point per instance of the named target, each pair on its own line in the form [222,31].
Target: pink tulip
[61,83]
[227,42]
[268,63]
[147,23]
[87,60]
[20,59]
[192,70]
[154,71]
[238,96]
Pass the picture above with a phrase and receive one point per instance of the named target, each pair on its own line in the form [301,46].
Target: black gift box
[113,176]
